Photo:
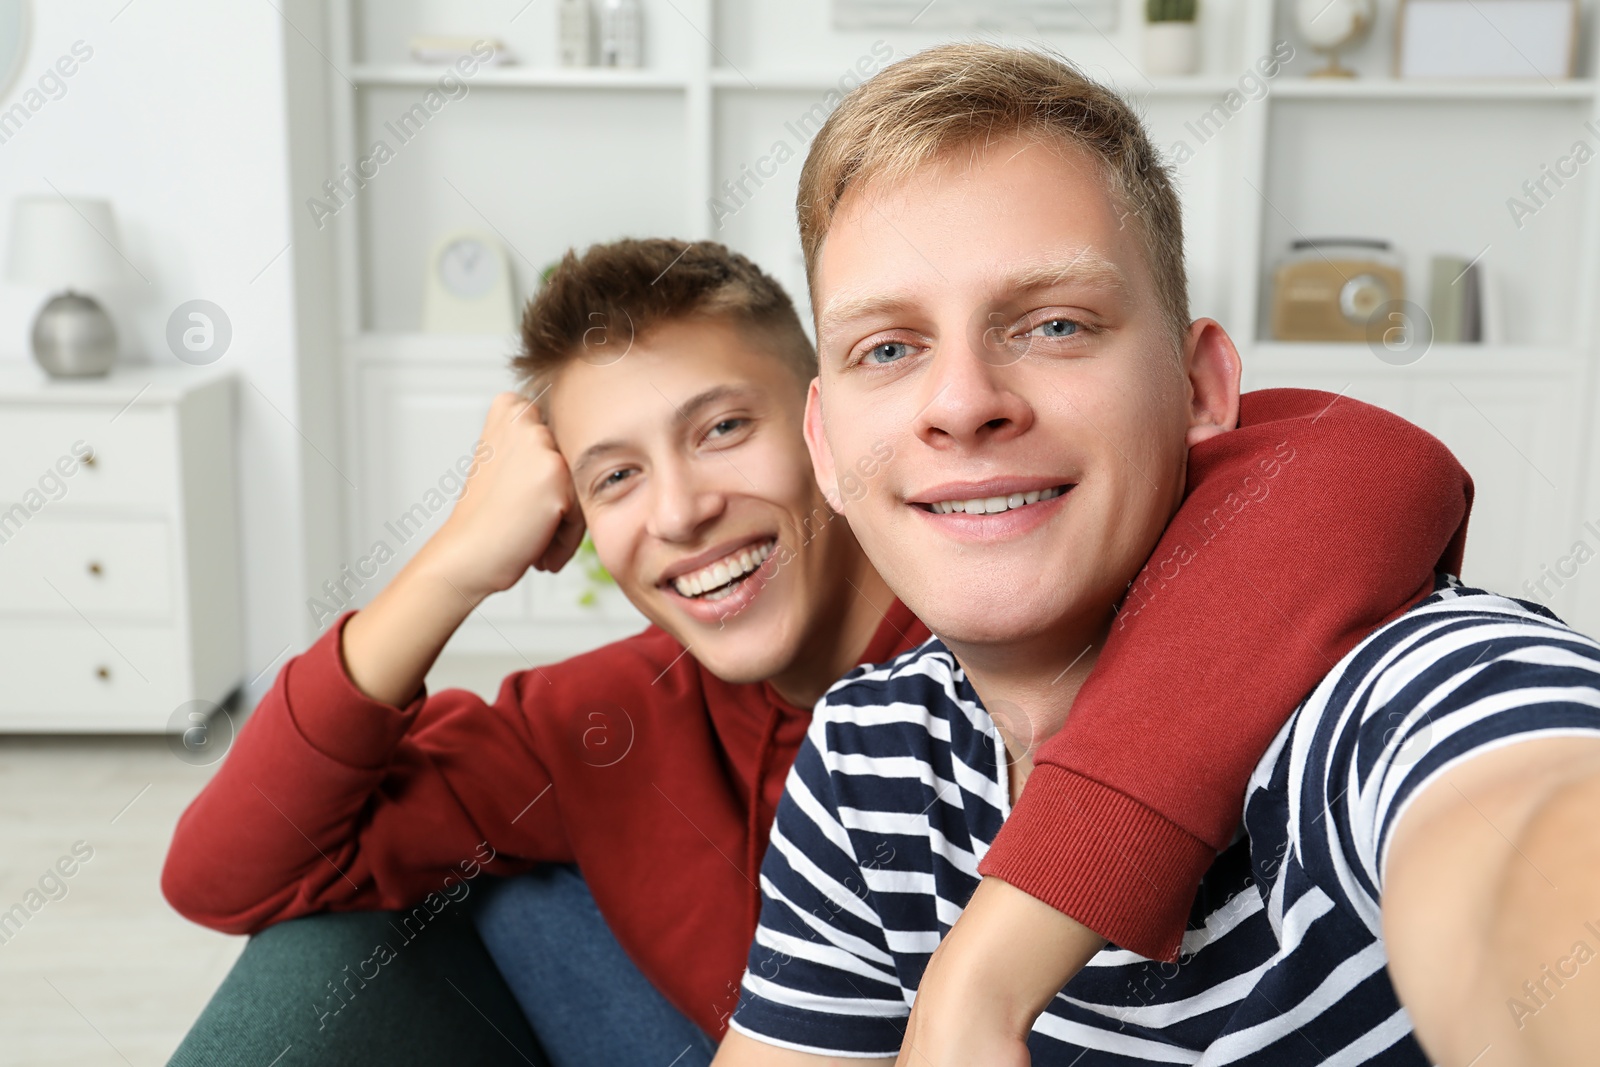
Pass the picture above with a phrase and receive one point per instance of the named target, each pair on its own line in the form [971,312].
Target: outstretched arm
[1491,908]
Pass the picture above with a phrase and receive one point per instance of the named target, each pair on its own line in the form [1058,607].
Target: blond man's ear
[1212,365]
[822,467]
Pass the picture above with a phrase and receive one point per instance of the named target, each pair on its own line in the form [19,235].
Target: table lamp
[61,244]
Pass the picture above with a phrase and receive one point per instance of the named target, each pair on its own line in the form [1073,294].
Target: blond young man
[1415,847]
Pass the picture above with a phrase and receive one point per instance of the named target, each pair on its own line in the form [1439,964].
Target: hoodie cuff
[333,715]
[1118,867]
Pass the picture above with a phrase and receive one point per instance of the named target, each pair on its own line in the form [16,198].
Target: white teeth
[709,580]
[993,505]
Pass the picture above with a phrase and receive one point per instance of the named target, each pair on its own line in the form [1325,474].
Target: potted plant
[1171,39]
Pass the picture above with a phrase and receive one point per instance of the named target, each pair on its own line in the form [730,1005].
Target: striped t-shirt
[901,786]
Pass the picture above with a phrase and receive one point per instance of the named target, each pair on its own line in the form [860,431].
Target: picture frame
[1509,39]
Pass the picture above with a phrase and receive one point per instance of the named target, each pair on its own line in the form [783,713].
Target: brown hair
[597,305]
[957,94]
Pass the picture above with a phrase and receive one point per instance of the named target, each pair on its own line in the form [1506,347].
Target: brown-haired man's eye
[612,480]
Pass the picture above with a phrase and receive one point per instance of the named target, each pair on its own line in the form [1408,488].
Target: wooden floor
[109,974]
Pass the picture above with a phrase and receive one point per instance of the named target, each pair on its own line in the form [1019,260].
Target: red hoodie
[660,780]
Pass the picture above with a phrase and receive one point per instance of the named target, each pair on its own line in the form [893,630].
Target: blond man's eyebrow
[1086,266]
[855,304]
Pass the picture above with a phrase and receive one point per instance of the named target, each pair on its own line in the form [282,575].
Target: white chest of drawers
[119,569]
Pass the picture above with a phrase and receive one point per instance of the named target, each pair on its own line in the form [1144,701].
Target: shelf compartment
[381,32]
[537,173]
[1393,169]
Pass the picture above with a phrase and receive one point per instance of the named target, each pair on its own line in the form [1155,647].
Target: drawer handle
[103,673]
[89,460]
[95,568]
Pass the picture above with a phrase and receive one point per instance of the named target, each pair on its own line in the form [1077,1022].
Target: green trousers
[362,988]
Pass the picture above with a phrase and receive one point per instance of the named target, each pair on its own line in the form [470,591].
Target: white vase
[1171,48]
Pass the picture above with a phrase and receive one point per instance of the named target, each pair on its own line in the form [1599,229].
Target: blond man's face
[993,321]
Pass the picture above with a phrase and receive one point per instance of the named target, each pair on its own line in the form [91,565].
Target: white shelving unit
[545,157]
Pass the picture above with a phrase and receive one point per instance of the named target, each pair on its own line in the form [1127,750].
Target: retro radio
[1327,290]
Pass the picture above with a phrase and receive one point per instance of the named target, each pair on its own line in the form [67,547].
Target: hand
[519,508]
[991,976]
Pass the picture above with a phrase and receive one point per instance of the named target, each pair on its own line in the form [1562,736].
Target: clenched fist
[518,509]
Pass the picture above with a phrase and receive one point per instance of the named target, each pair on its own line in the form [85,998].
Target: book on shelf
[1456,300]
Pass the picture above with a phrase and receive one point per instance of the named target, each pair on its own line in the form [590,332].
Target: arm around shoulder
[1303,529]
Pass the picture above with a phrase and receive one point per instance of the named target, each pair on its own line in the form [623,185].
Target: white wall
[179,117]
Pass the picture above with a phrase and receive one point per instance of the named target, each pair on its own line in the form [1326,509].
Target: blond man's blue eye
[887,352]
[1056,328]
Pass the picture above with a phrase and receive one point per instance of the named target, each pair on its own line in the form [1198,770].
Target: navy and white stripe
[901,786]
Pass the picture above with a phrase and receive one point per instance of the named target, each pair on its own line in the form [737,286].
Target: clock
[468,286]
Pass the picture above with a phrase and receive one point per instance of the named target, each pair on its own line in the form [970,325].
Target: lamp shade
[56,243]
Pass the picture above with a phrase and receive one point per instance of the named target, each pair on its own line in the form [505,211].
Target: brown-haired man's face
[690,466]
[993,318]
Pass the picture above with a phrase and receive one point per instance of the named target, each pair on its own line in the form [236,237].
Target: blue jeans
[581,993]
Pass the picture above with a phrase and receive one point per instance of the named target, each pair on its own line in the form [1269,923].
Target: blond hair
[959,94]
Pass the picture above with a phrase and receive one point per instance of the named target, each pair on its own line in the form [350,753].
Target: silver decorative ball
[73,338]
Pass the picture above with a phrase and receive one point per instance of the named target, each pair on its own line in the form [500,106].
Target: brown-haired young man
[1415,847]
[672,380]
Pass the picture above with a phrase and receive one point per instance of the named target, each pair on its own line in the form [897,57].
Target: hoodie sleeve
[332,801]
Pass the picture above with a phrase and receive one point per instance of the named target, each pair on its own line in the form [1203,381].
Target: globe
[1329,25]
